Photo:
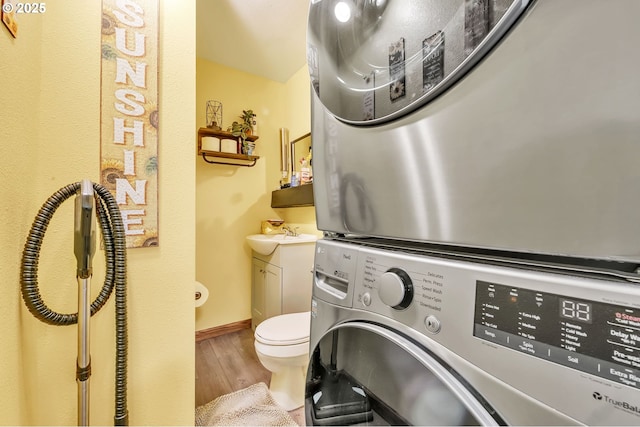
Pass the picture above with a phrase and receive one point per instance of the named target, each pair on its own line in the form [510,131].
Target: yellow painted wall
[50,85]
[298,101]
[231,200]
[298,98]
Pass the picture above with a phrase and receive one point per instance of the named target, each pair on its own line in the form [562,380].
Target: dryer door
[373,60]
[364,373]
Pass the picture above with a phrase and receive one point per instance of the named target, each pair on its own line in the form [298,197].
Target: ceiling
[262,37]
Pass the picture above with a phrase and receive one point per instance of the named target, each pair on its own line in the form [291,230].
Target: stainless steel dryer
[400,337]
[496,124]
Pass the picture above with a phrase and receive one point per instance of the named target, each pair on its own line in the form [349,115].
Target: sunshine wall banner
[129,115]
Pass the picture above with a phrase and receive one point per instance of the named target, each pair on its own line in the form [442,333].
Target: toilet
[282,346]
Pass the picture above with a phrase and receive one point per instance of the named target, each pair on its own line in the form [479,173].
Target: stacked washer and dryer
[476,179]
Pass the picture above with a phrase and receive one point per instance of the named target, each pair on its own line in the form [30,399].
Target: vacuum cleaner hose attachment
[113,234]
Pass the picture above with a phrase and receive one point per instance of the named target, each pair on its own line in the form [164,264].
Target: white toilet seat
[284,330]
[283,351]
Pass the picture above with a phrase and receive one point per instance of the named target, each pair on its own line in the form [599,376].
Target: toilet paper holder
[201,294]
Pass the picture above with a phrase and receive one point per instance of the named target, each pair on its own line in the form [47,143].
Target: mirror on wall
[300,149]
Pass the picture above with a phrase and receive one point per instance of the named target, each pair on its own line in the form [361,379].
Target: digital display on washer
[597,338]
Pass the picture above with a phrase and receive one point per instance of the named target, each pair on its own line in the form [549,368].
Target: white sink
[265,244]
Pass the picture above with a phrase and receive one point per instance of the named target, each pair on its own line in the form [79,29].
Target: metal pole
[84,248]
[83,370]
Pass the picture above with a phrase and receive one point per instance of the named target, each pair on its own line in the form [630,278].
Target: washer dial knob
[395,288]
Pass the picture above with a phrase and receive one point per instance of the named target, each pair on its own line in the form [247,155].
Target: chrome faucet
[288,231]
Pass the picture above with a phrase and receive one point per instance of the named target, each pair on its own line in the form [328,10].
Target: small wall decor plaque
[476,23]
[432,61]
[397,79]
[368,98]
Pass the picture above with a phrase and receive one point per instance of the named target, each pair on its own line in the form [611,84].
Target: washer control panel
[598,338]
[381,282]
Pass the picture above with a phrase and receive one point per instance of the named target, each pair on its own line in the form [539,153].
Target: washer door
[364,373]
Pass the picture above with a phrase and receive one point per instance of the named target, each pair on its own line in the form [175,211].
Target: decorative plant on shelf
[243,129]
[238,129]
[248,117]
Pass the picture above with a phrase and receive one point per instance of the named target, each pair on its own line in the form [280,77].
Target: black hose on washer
[113,234]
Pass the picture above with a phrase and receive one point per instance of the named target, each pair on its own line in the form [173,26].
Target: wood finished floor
[228,363]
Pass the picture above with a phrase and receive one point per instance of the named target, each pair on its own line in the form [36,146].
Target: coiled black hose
[113,234]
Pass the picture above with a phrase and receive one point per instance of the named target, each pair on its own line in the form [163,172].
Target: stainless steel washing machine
[400,336]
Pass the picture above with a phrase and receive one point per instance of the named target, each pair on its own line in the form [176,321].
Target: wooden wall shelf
[224,157]
[292,197]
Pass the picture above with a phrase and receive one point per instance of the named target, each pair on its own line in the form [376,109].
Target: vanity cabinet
[266,291]
[282,281]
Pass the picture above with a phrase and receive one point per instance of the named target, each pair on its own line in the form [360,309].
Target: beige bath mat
[252,406]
